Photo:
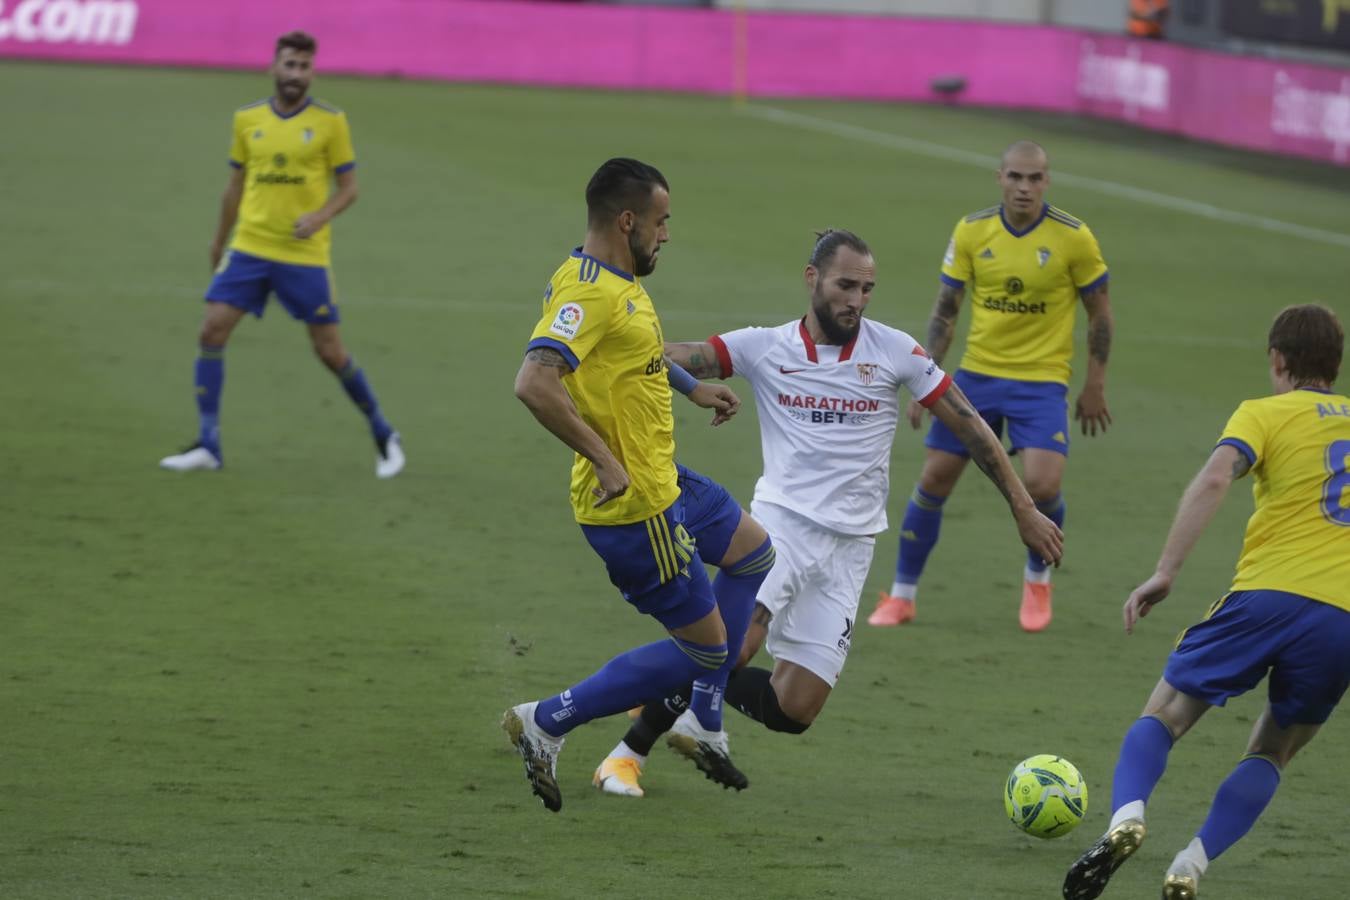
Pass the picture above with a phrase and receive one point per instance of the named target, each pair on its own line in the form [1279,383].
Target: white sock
[1041,577]
[623,751]
[1132,810]
[904,591]
[1193,854]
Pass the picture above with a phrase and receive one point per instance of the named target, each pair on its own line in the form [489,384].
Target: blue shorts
[1300,642]
[656,566]
[711,514]
[306,291]
[1037,413]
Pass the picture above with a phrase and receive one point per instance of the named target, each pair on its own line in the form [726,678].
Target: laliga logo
[1300,112]
[77,21]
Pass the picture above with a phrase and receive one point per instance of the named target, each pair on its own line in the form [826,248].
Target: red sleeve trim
[936,393]
[723,355]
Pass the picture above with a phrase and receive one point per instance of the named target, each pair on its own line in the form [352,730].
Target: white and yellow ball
[1046,796]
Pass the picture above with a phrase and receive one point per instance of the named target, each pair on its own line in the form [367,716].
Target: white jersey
[828,414]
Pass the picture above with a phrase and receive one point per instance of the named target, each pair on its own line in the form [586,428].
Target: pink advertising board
[1301,110]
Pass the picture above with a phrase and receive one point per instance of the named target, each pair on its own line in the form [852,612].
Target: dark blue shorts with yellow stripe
[656,566]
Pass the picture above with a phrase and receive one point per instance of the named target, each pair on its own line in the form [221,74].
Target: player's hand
[216,252]
[308,224]
[1091,409]
[1145,597]
[613,483]
[721,399]
[1041,535]
[914,412]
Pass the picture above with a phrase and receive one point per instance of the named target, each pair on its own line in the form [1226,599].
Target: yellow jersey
[287,161]
[604,324]
[1024,290]
[1298,539]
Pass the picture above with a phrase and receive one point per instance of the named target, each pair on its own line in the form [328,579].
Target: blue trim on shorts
[246,281]
[1036,413]
[656,566]
[1298,641]
[711,514]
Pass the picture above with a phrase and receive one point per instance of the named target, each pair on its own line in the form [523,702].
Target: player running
[283,152]
[1287,614]
[1026,263]
[827,388]
[595,375]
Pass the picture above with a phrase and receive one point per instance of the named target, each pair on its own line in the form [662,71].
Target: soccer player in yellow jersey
[596,376]
[284,152]
[1287,614]
[1027,265]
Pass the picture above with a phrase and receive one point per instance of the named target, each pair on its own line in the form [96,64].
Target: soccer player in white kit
[827,390]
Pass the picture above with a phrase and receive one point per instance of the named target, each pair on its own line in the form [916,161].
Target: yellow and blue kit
[603,323]
[288,162]
[1289,605]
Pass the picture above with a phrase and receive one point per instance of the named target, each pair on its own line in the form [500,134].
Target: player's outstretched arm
[1040,534]
[229,212]
[1090,410]
[1203,497]
[698,358]
[721,399]
[941,327]
[539,386]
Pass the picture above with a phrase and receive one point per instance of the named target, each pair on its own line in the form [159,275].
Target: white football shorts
[812,590]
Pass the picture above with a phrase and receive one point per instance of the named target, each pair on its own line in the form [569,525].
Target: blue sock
[355,384]
[918,535]
[209,378]
[1143,758]
[735,590]
[1239,802]
[1053,509]
[627,680]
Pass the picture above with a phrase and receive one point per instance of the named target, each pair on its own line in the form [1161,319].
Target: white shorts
[812,590]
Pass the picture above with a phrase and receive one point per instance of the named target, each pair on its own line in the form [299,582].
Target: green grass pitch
[284,679]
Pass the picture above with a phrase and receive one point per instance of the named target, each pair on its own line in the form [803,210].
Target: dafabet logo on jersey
[568,320]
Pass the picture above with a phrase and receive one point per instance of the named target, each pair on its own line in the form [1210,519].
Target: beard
[644,263]
[835,331]
[290,91]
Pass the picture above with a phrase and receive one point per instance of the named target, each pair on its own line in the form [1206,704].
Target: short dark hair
[301,41]
[621,183]
[1311,340]
[828,243]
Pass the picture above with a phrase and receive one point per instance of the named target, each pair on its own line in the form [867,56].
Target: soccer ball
[1045,797]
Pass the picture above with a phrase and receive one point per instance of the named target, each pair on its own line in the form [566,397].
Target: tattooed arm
[1198,504]
[942,321]
[1040,534]
[941,325]
[697,358]
[1091,408]
[539,386]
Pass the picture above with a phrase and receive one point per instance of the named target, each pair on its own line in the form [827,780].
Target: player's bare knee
[331,354]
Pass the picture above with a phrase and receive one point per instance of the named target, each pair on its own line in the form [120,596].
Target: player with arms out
[1027,264]
[1287,614]
[827,389]
[595,375]
[284,150]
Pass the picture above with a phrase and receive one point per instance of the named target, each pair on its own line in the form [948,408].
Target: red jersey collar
[810,345]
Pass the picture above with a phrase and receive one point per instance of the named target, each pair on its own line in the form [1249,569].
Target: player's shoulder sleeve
[956,262]
[1248,431]
[738,351]
[915,369]
[577,315]
[239,125]
[1087,268]
[341,154]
